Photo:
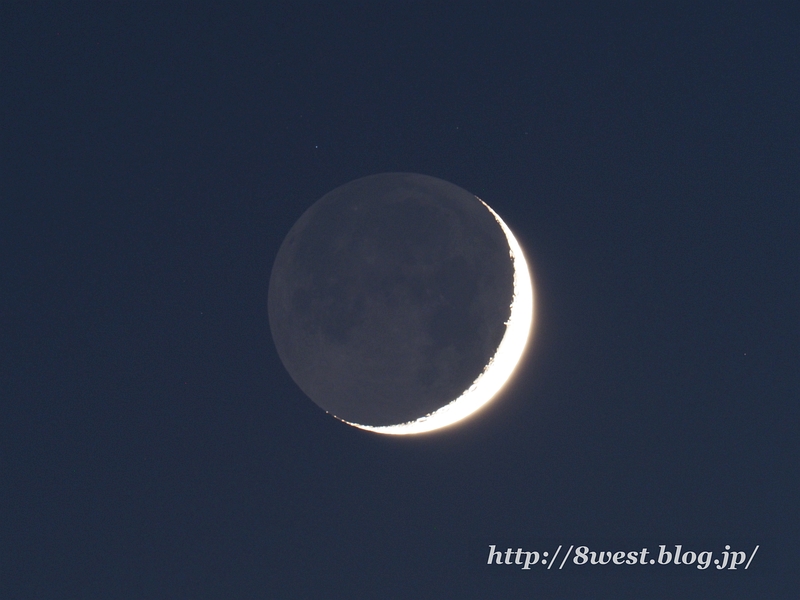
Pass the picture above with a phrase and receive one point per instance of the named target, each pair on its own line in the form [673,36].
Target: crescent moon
[499,369]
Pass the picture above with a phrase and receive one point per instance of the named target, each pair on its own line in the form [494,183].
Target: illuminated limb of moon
[500,367]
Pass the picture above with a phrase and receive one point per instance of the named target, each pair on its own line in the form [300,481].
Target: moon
[400,303]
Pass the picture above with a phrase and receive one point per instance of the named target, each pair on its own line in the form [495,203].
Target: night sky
[154,156]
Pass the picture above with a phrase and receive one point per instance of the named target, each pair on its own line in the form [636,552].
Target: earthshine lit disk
[500,367]
[400,303]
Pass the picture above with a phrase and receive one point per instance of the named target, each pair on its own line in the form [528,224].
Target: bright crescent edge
[499,368]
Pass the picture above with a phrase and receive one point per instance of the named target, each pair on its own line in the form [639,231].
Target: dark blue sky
[152,159]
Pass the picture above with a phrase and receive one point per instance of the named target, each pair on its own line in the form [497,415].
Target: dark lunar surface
[389,296]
